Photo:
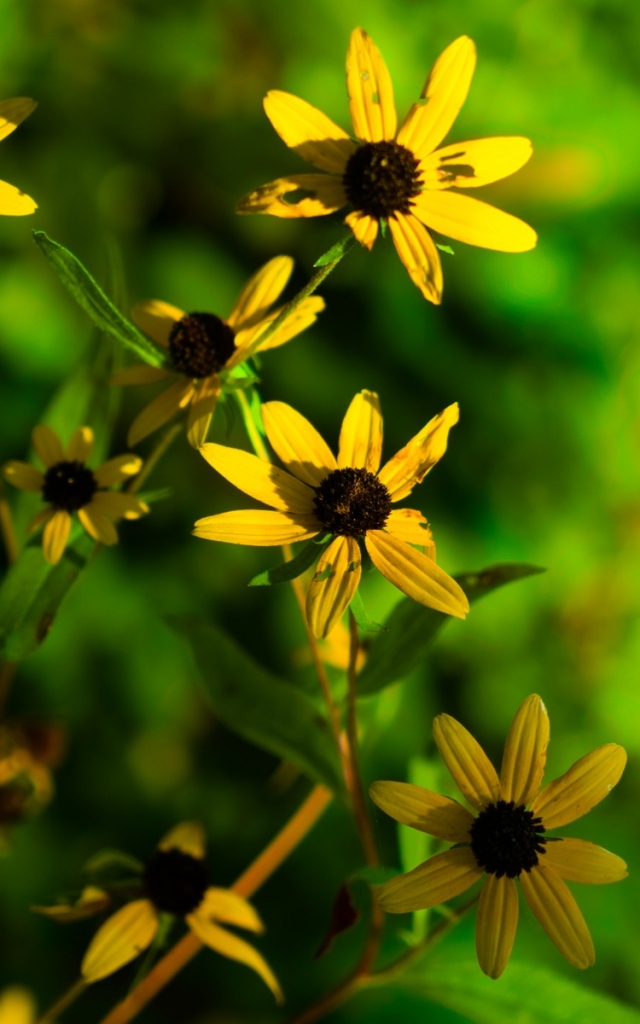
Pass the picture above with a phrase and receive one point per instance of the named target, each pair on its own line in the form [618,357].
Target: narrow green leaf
[360,615]
[292,569]
[112,865]
[337,251]
[445,248]
[88,294]
[262,708]
[411,627]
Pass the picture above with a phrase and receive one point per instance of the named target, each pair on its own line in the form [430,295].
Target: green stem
[161,447]
[359,802]
[63,1002]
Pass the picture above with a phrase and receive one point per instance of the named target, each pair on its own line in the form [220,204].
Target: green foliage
[337,251]
[290,570]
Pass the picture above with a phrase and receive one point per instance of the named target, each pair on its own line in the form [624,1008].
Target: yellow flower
[68,485]
[504,840]
[399,178]
[202,347]
[13,202]
[348,498]
[176,882]
[17,1006]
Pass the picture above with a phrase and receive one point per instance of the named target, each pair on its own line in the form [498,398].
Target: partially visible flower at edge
[202,347]
[504,840]
[13,202]
[17,1006]
[68,485]
[347,499]
[398,178]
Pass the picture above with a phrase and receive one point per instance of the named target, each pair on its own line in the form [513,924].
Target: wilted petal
[418,252]
[329,596]
[323,194]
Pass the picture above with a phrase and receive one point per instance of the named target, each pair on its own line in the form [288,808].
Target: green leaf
[111,865]
[411,627]
[360,615]
[525,993]
[32,592]
[293,568]
[445,248]
[262,708]
[337,251]
[88,294]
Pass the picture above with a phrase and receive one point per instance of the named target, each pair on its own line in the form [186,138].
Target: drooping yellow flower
[13,202]
[17,1006]
[202,347]
[68,485]
[504,840]
[176,882]
[401,177]
[349,498]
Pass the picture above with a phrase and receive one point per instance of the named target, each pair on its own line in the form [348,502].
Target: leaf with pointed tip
[290,570]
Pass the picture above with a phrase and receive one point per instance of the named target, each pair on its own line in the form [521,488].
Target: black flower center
[69,486]
[175,882]
[352,501]
[200,344]
[381,178]
[506,839]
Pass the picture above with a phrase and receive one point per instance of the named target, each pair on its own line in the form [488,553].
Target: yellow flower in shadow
[13,202]
[503,840]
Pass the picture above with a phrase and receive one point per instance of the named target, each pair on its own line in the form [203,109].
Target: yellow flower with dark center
[401,177]
[68,485]
[203,347]
[176,882]
[507,838]
[350,498]
[13,202]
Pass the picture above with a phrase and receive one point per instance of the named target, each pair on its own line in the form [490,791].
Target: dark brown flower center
[175,882]
[69,486]
[381,178]
[351,501]
[200,344]
[506,839]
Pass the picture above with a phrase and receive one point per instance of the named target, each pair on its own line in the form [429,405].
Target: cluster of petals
[250,318]
[291,492]
[560,802]
[319,141]
[13,202]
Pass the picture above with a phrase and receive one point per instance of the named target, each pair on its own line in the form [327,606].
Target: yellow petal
[262,480]
[525,752]
[92,901]
[364,227]
[411,464]
[409,525]
[578,861]
[115,470]
[188,837]
[304,452]
[17,1006]
[444,92]
[22,475]
[471,221]
[558,913]
[47,445]
[156,319]
[415,574]
[177,396]
[231,946]
[121,939]
[302,317]
[257,528]
[118,505]
[361,433]
[55,536]
[474,775]
[322,195]
[81,445]
[418,252]
[229,907]
[13,202]
[13,112]
[437,880]
[371,103]
[308,132]
[420,808]
[476,163]
[327,598]
[143,374]
[583,786]
[496,924]
[201,410]
[260,292]
[98,525]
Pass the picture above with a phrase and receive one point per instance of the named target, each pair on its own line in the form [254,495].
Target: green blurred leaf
[411,627]
[32,592]
[293,568]
[262,708]
[360,615]
[111,865]
[88,294]
[525,993]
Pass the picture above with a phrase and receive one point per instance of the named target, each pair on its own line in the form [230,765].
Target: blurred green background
[149,128]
